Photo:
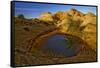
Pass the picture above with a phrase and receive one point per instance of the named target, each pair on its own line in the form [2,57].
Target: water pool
[59,45]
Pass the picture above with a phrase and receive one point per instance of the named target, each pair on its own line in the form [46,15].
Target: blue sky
[33,10]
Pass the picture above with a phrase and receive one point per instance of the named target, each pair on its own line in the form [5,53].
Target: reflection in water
[59,45]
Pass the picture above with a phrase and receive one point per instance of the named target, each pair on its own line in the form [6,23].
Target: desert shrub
[74,26]
[21,16]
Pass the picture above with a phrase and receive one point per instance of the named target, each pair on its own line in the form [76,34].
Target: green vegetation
[37,26]
[70,42]
[21,16]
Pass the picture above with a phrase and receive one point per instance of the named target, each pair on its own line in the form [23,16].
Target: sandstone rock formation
[90,29]
[46,16]
[76,23]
